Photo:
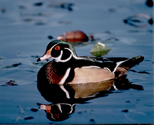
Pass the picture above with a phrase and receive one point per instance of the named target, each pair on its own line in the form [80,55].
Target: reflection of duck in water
[58,111]
[74,92]
[65,97]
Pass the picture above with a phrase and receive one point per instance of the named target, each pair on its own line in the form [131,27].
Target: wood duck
[68,68]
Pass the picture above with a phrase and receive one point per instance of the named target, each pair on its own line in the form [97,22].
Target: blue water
[24,36]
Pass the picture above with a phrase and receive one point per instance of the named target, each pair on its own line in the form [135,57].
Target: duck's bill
[44,57]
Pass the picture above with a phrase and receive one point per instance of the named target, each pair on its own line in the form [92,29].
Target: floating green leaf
[99,50]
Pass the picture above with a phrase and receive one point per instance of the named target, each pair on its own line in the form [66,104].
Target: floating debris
[74,36]
[128,101]
[150,21]
[67,6]
[91,36]
[138,20]
[149,3]
[34,110]
[126,110]
[99,50]
[17,64]
[50,37]
[38,4]
[11,66]
[29,118]
[10,83]
[92,120]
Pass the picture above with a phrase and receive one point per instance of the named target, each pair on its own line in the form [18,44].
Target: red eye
[57,48]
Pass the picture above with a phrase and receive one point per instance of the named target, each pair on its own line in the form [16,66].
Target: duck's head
[60,51]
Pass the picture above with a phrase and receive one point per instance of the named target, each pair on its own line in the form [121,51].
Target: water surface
[25,27]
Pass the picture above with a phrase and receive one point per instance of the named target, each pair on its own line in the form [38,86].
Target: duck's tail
[123,66]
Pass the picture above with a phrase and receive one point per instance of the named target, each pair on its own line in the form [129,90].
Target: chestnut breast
[54,73]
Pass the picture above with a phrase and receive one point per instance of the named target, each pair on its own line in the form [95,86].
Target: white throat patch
[58,59]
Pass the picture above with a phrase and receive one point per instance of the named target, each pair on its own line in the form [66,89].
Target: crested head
[60,51]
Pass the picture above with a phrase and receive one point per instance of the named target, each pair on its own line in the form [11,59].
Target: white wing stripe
[118,63]
[65,76]
[66,92]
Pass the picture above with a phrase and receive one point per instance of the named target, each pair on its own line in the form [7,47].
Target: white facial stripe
[59,106]
[54,46]
[58,59]
[69,57]
[71,109]
[74,55]
[52,117]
